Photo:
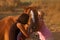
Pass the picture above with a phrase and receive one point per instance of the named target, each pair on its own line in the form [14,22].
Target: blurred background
[51,8]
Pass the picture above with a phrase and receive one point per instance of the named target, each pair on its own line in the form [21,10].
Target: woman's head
[23,19]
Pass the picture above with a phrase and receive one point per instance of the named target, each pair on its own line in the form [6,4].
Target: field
[51,8]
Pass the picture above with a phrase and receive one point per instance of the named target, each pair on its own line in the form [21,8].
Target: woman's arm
[22,29]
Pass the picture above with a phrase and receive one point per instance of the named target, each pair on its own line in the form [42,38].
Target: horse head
[34,22]
[34,18]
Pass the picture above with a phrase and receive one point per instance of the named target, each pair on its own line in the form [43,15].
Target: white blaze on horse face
[32,15]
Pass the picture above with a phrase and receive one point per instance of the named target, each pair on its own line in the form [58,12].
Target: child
[44,32]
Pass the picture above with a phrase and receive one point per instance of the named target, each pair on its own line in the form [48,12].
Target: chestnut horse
[8,29]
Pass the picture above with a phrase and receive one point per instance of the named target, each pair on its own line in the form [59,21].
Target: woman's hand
[22,29]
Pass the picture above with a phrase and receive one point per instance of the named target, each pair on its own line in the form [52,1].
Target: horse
[10,32]
[6,27]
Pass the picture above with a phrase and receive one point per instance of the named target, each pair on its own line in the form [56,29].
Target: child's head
[23,19]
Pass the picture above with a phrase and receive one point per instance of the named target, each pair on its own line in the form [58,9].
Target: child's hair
[23,19]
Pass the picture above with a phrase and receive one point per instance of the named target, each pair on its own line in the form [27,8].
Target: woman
[44,32]
[22,25]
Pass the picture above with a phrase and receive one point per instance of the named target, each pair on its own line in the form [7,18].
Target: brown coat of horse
[5,25]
